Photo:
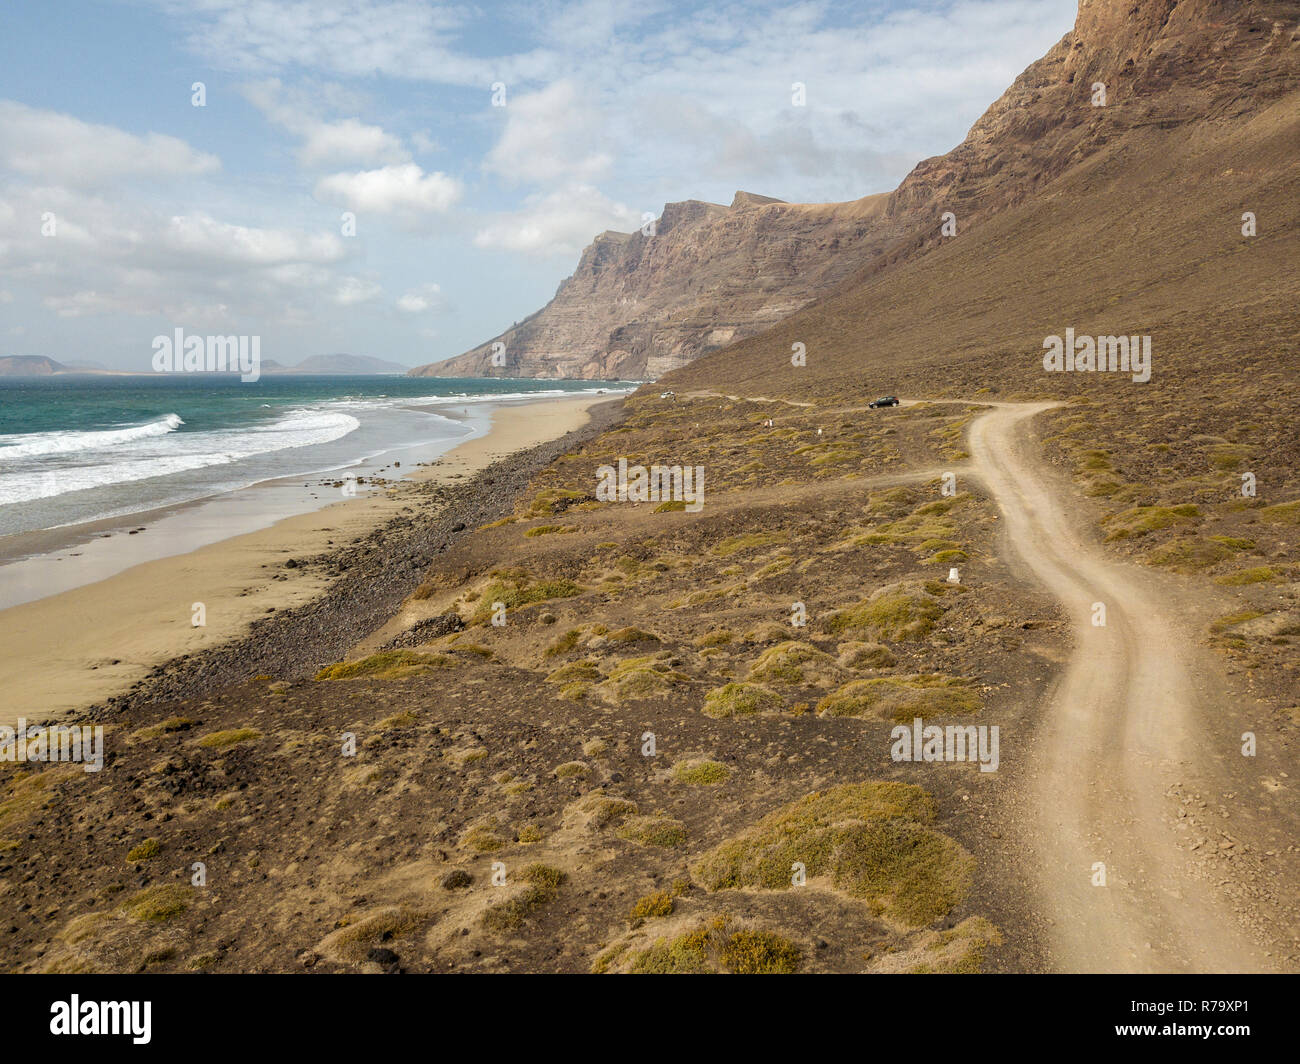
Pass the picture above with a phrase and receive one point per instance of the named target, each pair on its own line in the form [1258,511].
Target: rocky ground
[624,776]
[651,765]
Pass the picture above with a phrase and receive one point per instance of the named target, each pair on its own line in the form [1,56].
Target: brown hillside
[1125,218]
[1202,79]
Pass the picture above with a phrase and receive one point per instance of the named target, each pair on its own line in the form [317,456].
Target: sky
[405,179]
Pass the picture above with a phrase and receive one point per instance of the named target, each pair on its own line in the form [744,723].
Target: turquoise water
[78,448]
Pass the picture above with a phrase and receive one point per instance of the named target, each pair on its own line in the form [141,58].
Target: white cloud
[79,304]
[111,256]
[391,189]
[59,149]
[347,140]
[587,75]
[354,290]
[562,222]
[350,38]
[698,103]
[323,141]
[550,134]
[419,300]
[211,241]
[612,110]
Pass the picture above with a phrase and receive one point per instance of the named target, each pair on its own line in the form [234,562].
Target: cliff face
[712,276]
[1127,216]
[639,305]
[1160,63]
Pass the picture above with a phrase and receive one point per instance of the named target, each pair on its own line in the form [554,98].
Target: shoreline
[92,643]
[42,562]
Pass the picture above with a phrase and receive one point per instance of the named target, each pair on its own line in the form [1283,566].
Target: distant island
[30,366]
[322,365]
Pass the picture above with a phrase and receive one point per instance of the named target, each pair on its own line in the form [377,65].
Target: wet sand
[83,645]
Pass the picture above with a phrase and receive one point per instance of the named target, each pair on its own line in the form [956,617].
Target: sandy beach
[86,644]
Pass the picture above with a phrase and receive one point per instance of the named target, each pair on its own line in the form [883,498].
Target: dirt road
[1120,732]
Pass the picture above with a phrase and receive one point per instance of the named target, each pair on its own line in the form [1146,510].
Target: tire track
[1120,731]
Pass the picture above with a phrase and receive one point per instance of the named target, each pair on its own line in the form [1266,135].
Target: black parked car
[884,400]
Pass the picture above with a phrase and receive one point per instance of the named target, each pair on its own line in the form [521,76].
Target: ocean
[79,448]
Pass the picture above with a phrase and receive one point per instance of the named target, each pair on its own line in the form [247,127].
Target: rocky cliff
[639,306]
[707,275]
[1128,215]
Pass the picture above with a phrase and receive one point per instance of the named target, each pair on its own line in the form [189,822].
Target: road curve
[1120,730]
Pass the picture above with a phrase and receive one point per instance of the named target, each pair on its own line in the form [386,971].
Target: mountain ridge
[321,365]
[638,305]
[1070,214]
[712,276]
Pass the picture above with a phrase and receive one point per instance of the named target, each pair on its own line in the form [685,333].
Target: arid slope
[1125,218]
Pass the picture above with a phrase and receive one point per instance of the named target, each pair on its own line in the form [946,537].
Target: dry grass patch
[387,665]
[638,678]
[897,613]
[483,839]
[958,950]
[1284,513]
[900,698]
[855,655]
[550,530]
[27,793]
[165,727]
[719,637]
[653,906]
[515,589]
[1188,554]
[150,847]
[660,831]
[751,951]
[599,810]
[543,884]
[715,946]
[159,903]
[219,740]
[791,662]
[1142,520]
[701,772]
[352,942]
[740,700]
[1261,574]
[870,840]
[575,670]
[749,541]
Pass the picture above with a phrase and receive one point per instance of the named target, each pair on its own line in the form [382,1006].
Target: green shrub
[652,906]
[145,850]
[751,952]
[739,700]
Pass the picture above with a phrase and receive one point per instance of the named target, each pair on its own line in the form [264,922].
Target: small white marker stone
[953,578]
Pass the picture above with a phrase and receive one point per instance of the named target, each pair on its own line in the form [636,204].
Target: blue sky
[229,218]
